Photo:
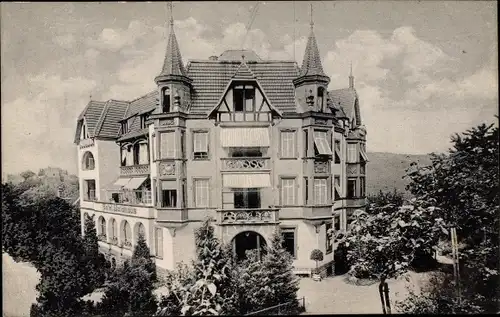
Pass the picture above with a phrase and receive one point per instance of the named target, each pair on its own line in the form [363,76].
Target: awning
[320,139]
[120,182]
[245,137]
[363,155]
[246,180]
[135,182]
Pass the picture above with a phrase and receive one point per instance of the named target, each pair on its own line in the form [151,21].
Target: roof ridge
[241,75]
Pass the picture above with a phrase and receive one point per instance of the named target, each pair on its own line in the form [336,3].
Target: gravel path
[19,287]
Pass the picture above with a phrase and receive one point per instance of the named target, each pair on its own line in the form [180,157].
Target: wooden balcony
[247,216]
[245,164]
[134,170]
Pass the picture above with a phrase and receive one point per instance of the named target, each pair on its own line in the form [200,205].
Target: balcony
[134,170]
[130,197]
[245,164]
[248,216]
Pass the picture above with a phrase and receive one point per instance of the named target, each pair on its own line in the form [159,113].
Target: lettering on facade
[167,122]
[119,208]
[321,121]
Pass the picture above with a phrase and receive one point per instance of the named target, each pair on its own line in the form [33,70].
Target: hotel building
[252,143]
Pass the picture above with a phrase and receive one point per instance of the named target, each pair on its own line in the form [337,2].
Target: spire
[172,65]
[351,79]
[311,65]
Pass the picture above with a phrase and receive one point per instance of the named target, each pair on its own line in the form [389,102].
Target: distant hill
[385,171]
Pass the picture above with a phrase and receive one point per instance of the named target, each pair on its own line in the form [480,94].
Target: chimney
[213,58]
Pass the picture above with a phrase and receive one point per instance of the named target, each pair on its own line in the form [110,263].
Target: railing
[134,169]
[133,197]
[289,308]
[248,216]
[245,163]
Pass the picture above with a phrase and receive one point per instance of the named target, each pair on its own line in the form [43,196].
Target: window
[143,153]
[351,188]
[337,152]
[362,153]
[288,191]
[306,142]
[288,243]
[362,168]
[320,191]
[321,144]
[246,152]
[306,190]
[136,153]
[329,238]
[201,192]
[337,222]
[336,187]
[84,131]
[167,145]
[88,161]
[113,228]
[124,127]
[200,145]
[143,121]
[102,226]
[244,98]
[166,99]
[124,156]
[159,243]
[126,232]
[362,187]
[90,189]
[169,198]
[320,98]
[183,145]
[287,144]
[352,153]
[141,230]
[247,198]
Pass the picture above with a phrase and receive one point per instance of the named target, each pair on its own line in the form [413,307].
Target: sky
[424,70]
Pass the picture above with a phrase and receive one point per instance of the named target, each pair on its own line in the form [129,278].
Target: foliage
[27,174]
[383,199]
[464,184]
[129,292]
[388,242]
[277,264]
[95,264]
[143,254]
[316,255]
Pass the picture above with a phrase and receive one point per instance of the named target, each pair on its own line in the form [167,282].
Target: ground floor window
[289,243]
[159,243]
[328,238]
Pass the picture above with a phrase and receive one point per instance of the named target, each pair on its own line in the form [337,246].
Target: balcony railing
[134,170]
[248,216]
[132,197]
[245,164]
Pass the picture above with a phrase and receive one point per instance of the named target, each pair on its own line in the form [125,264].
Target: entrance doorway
[248,240]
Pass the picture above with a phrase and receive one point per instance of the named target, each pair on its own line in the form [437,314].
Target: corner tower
[312,82]
[174,86]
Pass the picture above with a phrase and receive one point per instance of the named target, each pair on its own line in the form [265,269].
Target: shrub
[317,256]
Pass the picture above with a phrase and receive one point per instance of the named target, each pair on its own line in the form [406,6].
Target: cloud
[38,128]
[116,39]
[66,41]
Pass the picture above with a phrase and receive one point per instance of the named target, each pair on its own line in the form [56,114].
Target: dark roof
[114,111]
[237,55]
[346,98]
[142,104]
[210,78]
[311,65]
[172,65]
[133,134]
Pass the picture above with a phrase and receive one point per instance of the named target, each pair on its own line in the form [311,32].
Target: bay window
[320,191]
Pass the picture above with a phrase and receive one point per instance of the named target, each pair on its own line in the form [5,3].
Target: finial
[351,70]
[243,56]
[171,14]
[312,22]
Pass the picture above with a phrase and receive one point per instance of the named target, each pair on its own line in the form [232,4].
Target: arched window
[101,228]
[166,99]
[126,232]
[113,231]
[88,161]
[321,98]
[140,230]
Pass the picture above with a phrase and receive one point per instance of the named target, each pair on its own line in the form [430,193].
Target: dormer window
[244,98]
[166,99]
[321,98]
[124,127]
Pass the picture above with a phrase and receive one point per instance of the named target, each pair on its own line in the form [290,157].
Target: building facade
[254,144]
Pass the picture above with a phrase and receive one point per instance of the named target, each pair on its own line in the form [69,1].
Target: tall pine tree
[142,256]
[277,263]
[93,262]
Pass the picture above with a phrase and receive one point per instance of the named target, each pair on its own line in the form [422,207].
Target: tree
[464,184]
[316,255]
[27,175]
[142,256]
[383,199]
[95,266]
[277,263]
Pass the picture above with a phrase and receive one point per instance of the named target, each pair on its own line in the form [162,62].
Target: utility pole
[456,261]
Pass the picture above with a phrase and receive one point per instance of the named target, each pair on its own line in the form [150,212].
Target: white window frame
[352,152]
[201,192]
[288,191]
[199,137]
[321,142]
[288,144]
[159,243]
[171,149]
[320,191]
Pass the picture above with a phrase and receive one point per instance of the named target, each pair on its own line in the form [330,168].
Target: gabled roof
[142,104]
[243,72]
[210,79]
[236,55]
[347,99]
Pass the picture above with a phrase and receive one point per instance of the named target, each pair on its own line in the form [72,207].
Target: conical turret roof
[172,65]
[311,65]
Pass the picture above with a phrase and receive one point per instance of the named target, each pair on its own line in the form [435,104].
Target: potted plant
[316,255]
